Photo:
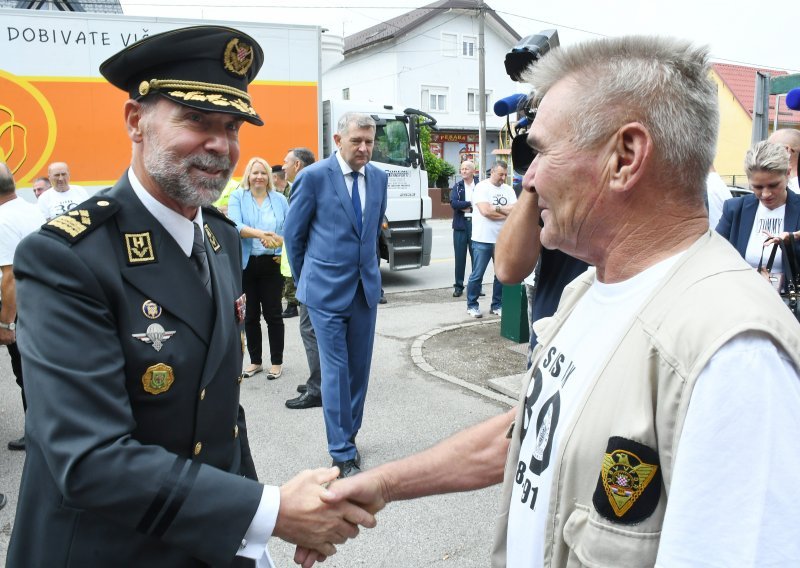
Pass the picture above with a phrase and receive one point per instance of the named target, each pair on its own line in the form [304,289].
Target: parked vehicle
[406,237]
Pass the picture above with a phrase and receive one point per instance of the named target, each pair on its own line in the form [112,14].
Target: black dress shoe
[305,400]
[302,388]
[3,500]
[347,468]
[382,299]
[17,445]
[289,312]
[458,292]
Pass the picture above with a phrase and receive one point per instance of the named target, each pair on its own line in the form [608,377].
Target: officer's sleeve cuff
[255,539]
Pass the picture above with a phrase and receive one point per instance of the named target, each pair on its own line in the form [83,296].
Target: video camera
[521,56]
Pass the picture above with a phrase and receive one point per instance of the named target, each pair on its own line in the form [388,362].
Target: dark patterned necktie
[356,200]
[200,258]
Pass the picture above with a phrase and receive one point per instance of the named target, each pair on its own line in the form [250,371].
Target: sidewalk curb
[423,365]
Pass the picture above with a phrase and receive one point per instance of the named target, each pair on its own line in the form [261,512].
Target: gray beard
[174,176]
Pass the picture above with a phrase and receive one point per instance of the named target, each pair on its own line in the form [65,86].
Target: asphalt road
[407,409]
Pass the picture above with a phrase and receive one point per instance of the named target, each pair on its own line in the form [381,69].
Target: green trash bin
[514,321]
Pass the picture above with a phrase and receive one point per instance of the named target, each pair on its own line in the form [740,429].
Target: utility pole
[482,89]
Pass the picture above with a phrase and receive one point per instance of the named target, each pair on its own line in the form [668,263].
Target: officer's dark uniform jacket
[135,454]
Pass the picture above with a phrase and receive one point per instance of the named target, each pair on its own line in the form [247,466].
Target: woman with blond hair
[259,213]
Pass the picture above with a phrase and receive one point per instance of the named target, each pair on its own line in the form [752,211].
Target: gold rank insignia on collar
[158,378]
[140,248]
[77,223]
[212,238]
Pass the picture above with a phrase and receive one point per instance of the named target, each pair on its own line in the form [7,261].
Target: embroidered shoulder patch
[83,219]
[629,486]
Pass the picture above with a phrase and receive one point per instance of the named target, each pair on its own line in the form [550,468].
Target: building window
[433,98]
[468,44]
[346,94]
[449,45]
[473,100]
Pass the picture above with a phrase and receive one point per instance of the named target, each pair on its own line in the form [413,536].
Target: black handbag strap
[771,259]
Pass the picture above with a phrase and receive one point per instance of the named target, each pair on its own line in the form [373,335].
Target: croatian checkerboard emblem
[629,485]
[155,335]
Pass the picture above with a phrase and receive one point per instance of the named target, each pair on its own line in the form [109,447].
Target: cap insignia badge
[238,57]
[155,335]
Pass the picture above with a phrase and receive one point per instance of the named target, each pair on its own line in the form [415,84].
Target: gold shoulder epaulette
[83,219]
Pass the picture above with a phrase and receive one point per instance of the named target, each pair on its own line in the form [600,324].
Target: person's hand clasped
[311,517]
[775,239]
[366,491]
[270,239]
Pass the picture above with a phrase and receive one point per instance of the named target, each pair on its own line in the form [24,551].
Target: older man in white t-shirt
[492,202]
[18,219]
[62,196]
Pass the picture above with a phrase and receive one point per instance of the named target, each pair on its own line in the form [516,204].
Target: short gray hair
[357,119]
[766,157]
[7,185]
[663,83]
[499,164]
[303,155]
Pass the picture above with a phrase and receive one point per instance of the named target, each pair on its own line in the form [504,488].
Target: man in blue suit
[461,202]
[332,232]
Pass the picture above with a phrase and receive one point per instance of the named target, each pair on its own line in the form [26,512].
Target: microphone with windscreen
[793,99]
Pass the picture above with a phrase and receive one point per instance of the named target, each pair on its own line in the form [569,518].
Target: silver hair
[663,83]
[766,157]
[357,119]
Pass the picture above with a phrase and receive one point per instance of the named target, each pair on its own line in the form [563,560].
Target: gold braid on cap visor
[212,93]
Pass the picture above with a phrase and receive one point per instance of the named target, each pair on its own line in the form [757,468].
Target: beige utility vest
[642,393]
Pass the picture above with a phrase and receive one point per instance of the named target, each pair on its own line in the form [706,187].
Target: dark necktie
[200,258]
[356,200]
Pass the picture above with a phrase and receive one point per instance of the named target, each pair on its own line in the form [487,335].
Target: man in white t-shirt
[790,139]
[658,424]
[62,196]
[492,202]
[18,219]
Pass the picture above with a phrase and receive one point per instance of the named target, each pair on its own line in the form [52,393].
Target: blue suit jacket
[327,255]
[458,201]
[739,214]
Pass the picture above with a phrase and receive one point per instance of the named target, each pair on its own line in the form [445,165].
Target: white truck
[406,238]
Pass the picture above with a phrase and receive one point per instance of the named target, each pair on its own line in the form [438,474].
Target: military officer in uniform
[130,323]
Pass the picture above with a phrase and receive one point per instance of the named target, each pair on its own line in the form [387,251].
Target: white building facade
[428,59]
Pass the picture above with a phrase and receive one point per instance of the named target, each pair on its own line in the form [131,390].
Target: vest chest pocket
[596,543]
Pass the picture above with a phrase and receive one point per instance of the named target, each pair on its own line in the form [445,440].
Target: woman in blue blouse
[259,214]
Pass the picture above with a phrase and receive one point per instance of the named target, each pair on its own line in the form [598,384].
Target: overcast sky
[742,32]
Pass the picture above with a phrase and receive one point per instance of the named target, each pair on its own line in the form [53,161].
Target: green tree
[439,171]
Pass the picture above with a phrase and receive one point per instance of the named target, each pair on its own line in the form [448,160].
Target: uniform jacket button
[203,394]
[236,431]
[198,447]
[240,379]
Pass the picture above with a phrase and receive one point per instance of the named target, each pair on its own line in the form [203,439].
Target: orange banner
[80,121]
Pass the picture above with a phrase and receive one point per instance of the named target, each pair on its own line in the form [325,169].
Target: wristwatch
[9,326]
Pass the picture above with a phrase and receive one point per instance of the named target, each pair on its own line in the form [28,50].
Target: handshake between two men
[318,512]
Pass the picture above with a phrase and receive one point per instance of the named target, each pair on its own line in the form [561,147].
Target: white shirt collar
[346,169]
[179,227]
